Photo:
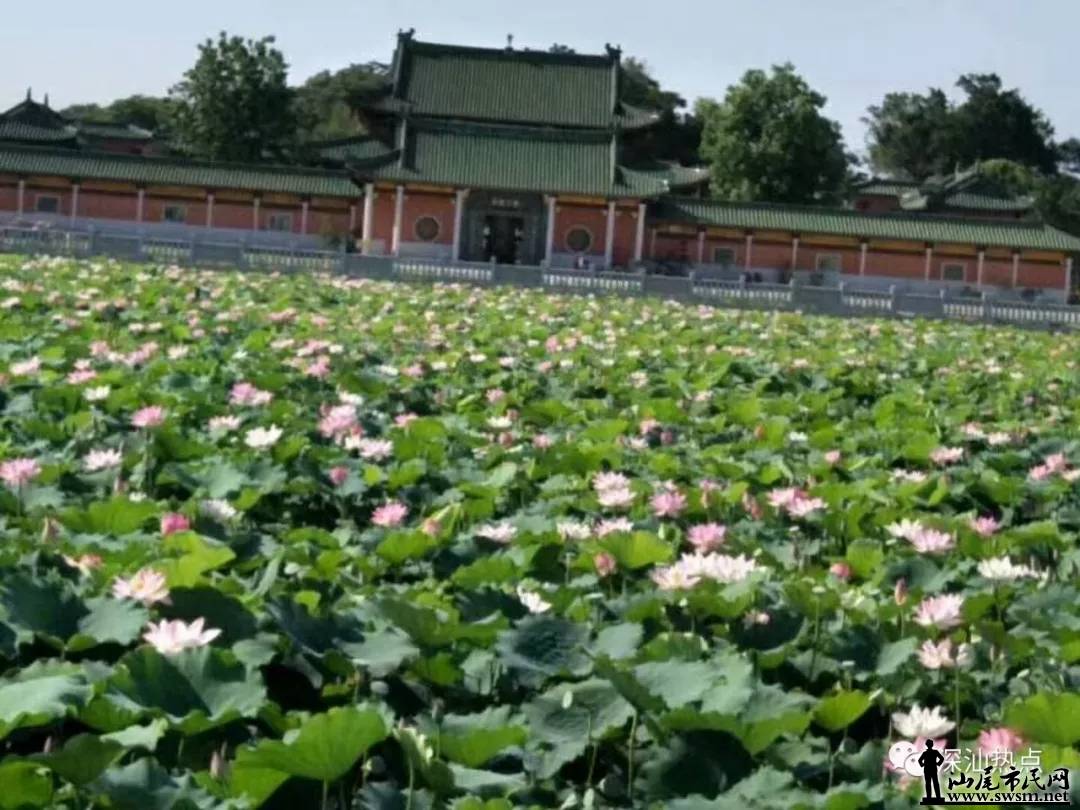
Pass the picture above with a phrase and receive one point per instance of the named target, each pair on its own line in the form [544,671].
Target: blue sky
[853,51]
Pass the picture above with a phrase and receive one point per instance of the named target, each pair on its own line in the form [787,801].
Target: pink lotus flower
[26,368]
[832,457]
[613,525]
[170,638]
[244,393]
[85,562]
[80,376]
[942,655]
[605,564]
[542,441]
[616,498]
[668,504]
[840,570]
[19,471]
[147,586]
[943,456]
[942,612]
[494,395]
[320,369]
[795,502]
[674,578]
[148,417]
[337,420]
[338,475]
[403,420]
[390,514]
[985,526]
[999,740]
[375,449]
[173,522]
[931,541]
[706,537]
[431,527]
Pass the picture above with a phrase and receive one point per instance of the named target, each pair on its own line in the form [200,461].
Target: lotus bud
[900,592]
[219,764]
[49,529]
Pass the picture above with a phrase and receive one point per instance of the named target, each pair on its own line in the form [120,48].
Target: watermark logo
[966,777]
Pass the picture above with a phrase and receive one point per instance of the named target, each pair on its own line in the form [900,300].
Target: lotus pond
[301,541]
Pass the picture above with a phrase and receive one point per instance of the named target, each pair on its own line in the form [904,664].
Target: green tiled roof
[986,202]
[362,148]
[514,86]
[98,129]
[18,131]
[175,172]
[671,174]
[842,222]
[491,156]
[886,188]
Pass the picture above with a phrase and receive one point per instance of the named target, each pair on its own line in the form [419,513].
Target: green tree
[1057,196]
[149,112]
[235,103]
[327,104]
[768,140]
[996,123]
[915,136]
[908,135]
[676,136]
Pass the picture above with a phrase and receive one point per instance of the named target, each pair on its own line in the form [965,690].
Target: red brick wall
[382,221]
[899,265]
[9,197]
[849,257]
[106,205]
[772,255]
[625,235]
[592,218]
[1043,276]
[419,204]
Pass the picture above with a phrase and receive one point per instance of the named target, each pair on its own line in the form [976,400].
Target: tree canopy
[327,103]
[235,102]
[768,140]
[914,136]
[676,136]
[149,112]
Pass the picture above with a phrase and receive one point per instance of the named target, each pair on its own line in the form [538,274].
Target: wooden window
[578,239]
[953,271]
[724,256]
[174,213]
[829,262]
[426,228]
[47,204]
[279,222]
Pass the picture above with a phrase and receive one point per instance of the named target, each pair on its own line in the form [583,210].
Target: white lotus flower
[920,722]
[1002,569]
[219,510]
[97,460]
[169,638]
[146,586]
[533,601]
[262,438]
[97,394]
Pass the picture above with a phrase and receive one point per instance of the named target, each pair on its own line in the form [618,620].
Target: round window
[578,239]
[427,229]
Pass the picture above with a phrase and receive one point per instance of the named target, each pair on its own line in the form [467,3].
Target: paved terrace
[845,299]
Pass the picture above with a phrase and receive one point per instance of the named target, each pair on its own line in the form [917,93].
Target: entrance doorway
[502,238]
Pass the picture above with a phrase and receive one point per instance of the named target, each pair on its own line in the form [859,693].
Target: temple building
[518,156]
